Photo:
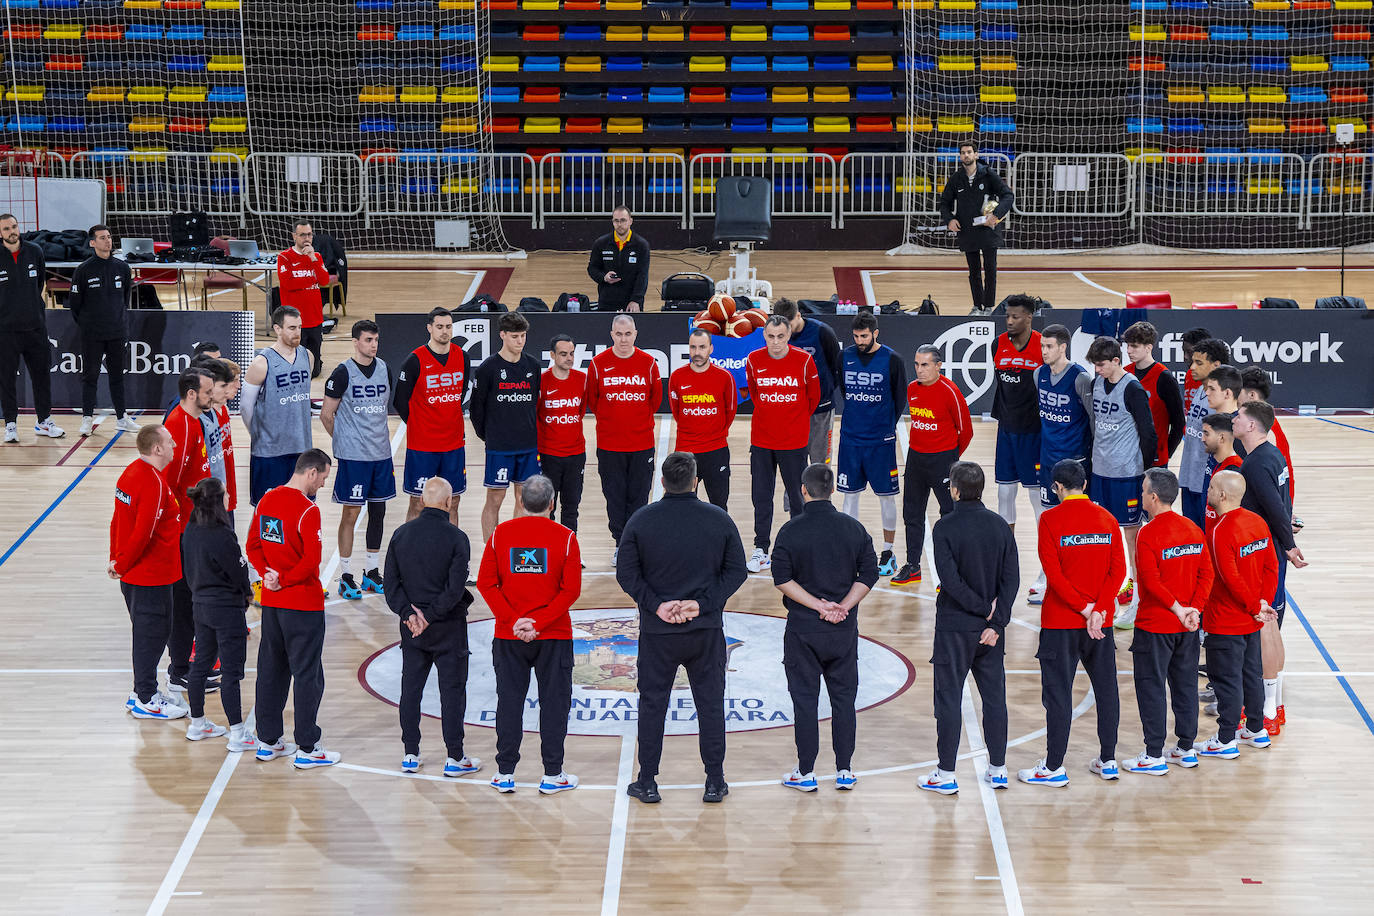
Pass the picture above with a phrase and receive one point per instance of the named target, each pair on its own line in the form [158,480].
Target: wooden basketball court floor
[108,814]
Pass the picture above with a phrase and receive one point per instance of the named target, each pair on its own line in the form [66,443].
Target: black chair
[744,218]
[1340,302]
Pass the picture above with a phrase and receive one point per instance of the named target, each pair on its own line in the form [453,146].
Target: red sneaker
[1127,593]
[1281,718]
[1273,727]
[906,575]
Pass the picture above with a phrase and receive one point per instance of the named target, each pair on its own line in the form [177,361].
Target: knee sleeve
[888,504]
[376,522]
[1006,501]
[851,505]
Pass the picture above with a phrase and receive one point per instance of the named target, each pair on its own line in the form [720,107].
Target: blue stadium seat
[1227,33]
[1223,186]
[706,123]
[377,126]
[748,125]
[1226,125]
[832,62]
[1269,33]
[748,95]
[748,4]
[916,62]
[667,95]
[67,123]
[183,33]
[999,4]
[1000,124]
[791,33]
[1000,33]
[1141,125]
[415,126]
[22,4]
[374,6]
[957,33]
[423,63]
[1301,94]
[213,34]
[410,154]
[873,94]
[582,33]
[665,186]
[505,31]
[582,94]
[959,97]
[790,125]
[500,95]
[666,62]
[790,63]
[55,94]
[541,63]
[458,33]
[502,186]
[624,94]
[187,63]
[415,6]
[415,33]
[1266,64]
[791,5]
[1271,156]
[870,185]
[419,186]
[1181,5]
[142,32]
[622,63]
[1186,126]
[1149,5]
[1348,63]
[376,63]
[665,122]
[782,185]
[1223,155]
[872,31]
[458,63]
[227,94]
[749,63]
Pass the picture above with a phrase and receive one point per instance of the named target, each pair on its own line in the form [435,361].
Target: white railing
[803,183]
[159,183]
[877,184]
[1072,184]
[305,184]
[1339,184]
[453,184]
[1220,184]
[590,184]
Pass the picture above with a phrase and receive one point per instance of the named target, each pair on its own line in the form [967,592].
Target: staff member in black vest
[619,265]
[23,331]
[823,563]
[681,559]
[426,571]
[965,200]
[99,301]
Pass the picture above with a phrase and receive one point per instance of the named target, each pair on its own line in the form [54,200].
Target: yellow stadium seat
[143,4]
[225,63]
[624,6]
[624,125]
[1266,126]
[831,94]
[830,5]
[791,155]
[954,124]
[377,94]
[704,63]
[881,62]
[830,124]
[462,95]
[1151,33]
[457,4]
[221,5]
[419,94]
[543,125]
[826,186]
[1226,94]
[918,186]
[1146,153]
[1183,94]
[458,126]
[539,5]
[105,94]
[955,62]
[795,94]
[1000,94]
[624,33]
[228,124]
[625,155]
[149,154]
[745,154]
[915,4]
[748,33]
[239,151]
[1354,4]
[1308,63]
[461,186]
[661,155]
[666,33]
[503,63]
[957,4]
[1264,186]
[1268,94]
[998,62]
[1270,4]
[188,93]
[27,93]
[147,124]
[147,94]
[1360,126]
[582,63]
[63,31]
[704,185]
[917,125]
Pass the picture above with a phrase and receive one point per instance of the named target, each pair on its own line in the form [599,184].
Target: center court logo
[605,672]
[967,349]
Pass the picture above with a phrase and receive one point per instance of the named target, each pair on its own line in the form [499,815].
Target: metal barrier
[876,184]
[305,184]
[450,184]
[1339,184]
[1220,184]
[1072,184]
[590,184]
[804,184]
[158,183]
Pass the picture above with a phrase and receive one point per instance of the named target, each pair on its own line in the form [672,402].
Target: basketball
[721,307]
[710,326]
[740,326]
[756,317]
[699,317]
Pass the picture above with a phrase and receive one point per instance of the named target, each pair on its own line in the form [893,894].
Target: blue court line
[1361,429]
[57,502]
[1330,662]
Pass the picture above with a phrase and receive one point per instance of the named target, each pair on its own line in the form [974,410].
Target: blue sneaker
[348,588]
[1106,769]
[319,757]
[372,581]
[1041,775]
[1254,739]
[1146,765]
[461,767]
[552,785]
[503,783]
[934,782]
[1214,748]
[802,782]
[268,752]
[1179,757]
[844,780]
[410,763]
[996,777]
[887,564]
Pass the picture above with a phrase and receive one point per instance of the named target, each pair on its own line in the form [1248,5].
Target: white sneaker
[160,706]
[802,782]
[1041,775]
[996,776]
[11,432]
[503,783]
[1254,739]
[1213,747]
[203,728]
[411,763]
[845,780]
[935,781]
[1036,595]
[128,424]
[552,785]
[455,768]
[758,561]
[268,752]
[319,757]
[1146,765]
[49,428]
[1179,757]
[1124,618]
[241,739]
[1106,769]
[87,425]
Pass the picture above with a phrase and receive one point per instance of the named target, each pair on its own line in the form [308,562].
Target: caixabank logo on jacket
[605,677]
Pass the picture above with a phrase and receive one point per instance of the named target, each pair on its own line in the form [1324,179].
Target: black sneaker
[372,581]
[644,790]
[179,684]
[907,574]
[887,564]
[716,790]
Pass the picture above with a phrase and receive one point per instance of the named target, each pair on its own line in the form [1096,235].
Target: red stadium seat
[1159,299]
[1215,305]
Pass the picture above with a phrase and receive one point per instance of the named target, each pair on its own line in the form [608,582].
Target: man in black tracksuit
[99,301]
[823,563]
[966,195]
[975,558]
[619,266]
[426,571]
[23,330]
[680,560]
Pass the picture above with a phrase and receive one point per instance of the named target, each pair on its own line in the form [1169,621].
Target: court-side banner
[159,347]
[1324,359]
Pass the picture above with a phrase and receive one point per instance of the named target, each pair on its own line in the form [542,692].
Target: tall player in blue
[873,386]
[1064,391]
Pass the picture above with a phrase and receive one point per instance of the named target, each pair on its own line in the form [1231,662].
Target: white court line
[447,779]
[226,770]
[665,428]
[1011,893]
[620,814]
[1079,275]
[866,277]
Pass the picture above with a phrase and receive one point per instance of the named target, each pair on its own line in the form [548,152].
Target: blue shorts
[266,473]
[421,466]
[860,466]
[1118,495]
[503,468]
[360,482]
[1048,499]
[1018,458]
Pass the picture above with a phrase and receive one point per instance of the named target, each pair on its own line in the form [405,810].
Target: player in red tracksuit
[785,389]
[1247,573]
[531,573]
[1081,553]
[301,272]
[284,546]
[1174,577]
[703,398]
[190,465]
[145,556]
[624,389]
[1217,439]
[431,386]
[562,445]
